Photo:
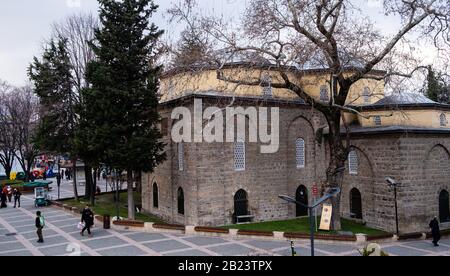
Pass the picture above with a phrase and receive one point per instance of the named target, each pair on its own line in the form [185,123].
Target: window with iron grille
[155,196]
[164,126]
[181,156]
[324,94]
[180,201]
[366,95]
[353,163]
[300,153]
[239,156]
[267,85]
[377,120]
[443,120]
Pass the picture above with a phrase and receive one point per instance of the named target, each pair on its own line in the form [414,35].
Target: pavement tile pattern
[62,238]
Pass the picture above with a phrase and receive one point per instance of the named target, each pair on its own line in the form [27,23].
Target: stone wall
[419,161]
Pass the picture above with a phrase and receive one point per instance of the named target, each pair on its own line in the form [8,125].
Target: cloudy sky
[25,24]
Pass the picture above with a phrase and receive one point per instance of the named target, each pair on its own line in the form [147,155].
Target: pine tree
[121,105]
[191,51]
[435,89]
[53,84]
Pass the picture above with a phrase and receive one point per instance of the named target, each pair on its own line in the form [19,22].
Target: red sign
[315,190]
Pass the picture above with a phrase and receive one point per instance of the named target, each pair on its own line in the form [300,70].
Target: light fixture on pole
[330,194]
[394,184]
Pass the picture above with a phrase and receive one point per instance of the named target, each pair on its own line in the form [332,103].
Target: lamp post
[330,194]
[394,184]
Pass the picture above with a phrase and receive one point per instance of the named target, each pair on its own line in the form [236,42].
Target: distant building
[406,137]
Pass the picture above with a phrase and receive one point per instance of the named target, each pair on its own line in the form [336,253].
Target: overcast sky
[25,24]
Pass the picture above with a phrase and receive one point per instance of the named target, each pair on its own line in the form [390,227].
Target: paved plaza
[62,238]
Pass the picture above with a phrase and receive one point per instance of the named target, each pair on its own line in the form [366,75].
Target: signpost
[330,194]
[315,191]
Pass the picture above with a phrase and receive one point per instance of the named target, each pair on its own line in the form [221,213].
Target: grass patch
[301,225]
[105,205]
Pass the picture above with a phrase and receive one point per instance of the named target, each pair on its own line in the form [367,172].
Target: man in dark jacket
[17,194]
[3,199]
[87,218]
[39,226]
[435,231]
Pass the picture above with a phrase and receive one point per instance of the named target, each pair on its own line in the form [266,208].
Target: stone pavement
[18,238]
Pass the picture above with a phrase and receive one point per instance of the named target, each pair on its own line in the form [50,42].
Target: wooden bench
[238,218]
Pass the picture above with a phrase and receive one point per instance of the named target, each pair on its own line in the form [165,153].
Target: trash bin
[106,222]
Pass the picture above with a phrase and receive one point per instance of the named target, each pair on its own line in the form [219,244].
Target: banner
[327,212]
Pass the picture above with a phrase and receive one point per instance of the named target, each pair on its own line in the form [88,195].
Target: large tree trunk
[93,188]
[139,182]
[88,177]
[131,209]
[336,169]
[74,169]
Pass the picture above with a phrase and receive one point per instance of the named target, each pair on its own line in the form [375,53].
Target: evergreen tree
[53,84]
[435,89]
[191,51]
[121,105]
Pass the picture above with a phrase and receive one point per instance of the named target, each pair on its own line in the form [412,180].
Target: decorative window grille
[267,86]
[155,196]
[353,163]
[300,153]
[165,126]
[443,120]
[180,201]
[366,95]
[377,120]
[324,94]
[239,156]
[181,156]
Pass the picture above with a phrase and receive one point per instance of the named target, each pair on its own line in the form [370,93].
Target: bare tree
[291,35]
[8,134]
[78,29]
[24,111]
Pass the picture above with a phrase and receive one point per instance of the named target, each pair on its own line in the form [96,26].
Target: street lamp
[330,194]
[393,184]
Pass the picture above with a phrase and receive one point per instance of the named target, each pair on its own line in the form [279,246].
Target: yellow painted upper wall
[314,84]
[416,118]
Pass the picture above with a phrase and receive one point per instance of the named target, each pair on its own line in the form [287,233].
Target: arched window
[266,83]
[302,196]
[366,95]
[444,207]
[353,163]
[324,94]
[300,153]
[155,196]
[180,201]
[377,120]
[241,206]
[356,204]
[239,156]
[180,156]
[443,120]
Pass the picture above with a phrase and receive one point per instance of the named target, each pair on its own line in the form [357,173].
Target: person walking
[435,231]
[3,199]
[40,223]
[9,191]
[17,194]
[87,218]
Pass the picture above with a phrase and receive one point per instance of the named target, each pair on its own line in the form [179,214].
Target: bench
[238,218]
